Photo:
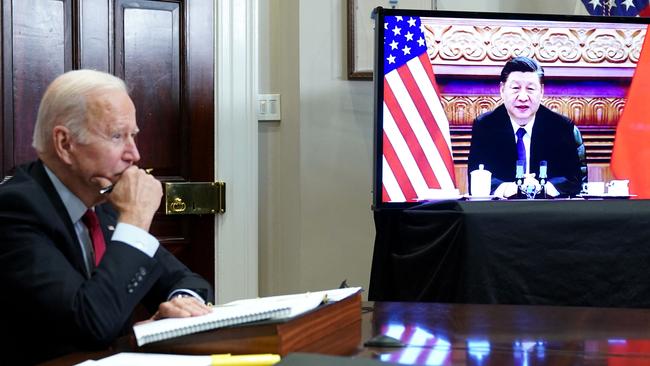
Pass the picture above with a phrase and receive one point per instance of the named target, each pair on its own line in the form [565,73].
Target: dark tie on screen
[92,223]
[521,149]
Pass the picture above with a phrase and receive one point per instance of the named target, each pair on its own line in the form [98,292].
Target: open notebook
[238,312]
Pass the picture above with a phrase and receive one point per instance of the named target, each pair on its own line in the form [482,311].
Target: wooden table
[470,334]
[460,334]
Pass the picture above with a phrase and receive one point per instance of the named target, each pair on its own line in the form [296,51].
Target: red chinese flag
[631,152]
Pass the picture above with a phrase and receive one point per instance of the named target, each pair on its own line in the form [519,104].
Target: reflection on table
[455,334]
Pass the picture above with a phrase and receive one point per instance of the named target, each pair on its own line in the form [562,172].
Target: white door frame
[236,160]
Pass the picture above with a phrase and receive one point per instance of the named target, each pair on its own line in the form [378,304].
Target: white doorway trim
[236,84]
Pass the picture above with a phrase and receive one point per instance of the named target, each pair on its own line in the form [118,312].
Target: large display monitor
[436,72]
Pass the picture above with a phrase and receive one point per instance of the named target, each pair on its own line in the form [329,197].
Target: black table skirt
[573,252]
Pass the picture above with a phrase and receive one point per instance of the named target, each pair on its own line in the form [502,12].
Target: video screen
[494,105]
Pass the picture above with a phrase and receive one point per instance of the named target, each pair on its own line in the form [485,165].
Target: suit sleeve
[480,153]
[174,275]
[561,150]
[37,269]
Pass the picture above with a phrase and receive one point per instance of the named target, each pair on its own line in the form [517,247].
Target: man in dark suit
[522,129]
[65,286]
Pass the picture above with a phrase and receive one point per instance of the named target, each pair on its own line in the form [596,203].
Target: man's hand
[136,197]
[551,190]
[505,190]
[181,307]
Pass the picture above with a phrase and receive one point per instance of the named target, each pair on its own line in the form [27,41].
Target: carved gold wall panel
[488,43]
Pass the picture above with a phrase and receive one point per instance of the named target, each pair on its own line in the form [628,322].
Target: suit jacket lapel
[505,130]
[71,248]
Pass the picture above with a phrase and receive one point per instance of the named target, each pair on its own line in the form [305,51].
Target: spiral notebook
[221,316]
[238,312]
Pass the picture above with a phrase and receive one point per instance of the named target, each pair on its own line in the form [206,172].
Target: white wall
[315,166]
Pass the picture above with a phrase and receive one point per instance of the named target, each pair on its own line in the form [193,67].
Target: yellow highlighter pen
[245,360]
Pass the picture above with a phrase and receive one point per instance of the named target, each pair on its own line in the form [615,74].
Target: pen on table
[108,189]
[227,359]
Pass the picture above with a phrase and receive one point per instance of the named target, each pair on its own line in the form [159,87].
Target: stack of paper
[157,359]
[238,312]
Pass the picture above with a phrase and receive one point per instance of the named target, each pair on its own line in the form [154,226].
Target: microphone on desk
[519,171]
[519,178]
[543,166]
[543,176]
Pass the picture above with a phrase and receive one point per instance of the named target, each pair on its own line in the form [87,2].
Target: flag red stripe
[427,116]
[409,136]
[398,171]
[385,197]
[428,68]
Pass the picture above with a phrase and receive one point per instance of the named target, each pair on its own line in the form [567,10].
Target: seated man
[521,129]
[74,262]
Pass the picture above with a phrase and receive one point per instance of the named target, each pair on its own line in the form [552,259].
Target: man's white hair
[65,103]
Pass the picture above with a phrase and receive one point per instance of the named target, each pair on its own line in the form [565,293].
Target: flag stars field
[617,7]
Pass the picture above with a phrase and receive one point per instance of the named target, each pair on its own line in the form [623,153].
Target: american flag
[617,7]
[416,155]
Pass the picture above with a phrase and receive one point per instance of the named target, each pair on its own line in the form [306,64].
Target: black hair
[522,64]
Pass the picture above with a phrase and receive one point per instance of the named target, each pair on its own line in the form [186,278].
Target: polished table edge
[571,346]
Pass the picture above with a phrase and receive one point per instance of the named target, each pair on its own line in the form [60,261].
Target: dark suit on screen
[51,305]
[553,139]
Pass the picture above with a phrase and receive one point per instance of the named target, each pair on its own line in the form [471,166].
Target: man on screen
[521,129]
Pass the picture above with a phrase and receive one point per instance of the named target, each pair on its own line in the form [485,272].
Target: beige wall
[512,6]
[315,166]
[279,150]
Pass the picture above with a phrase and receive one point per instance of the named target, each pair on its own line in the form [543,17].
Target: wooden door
[164,50]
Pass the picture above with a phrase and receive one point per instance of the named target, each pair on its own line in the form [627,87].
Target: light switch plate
[268,107]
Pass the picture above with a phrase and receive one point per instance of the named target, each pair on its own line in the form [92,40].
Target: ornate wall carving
[485,42]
